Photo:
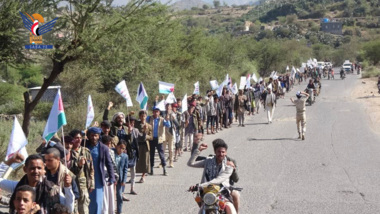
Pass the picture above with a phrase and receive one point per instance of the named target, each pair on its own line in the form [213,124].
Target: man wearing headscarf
[118,127]
[301,113]
[102,160]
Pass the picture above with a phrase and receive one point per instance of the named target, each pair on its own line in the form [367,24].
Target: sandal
[142,180]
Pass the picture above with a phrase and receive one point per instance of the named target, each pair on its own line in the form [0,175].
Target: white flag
[17,141]
[220,90]
[243,82]
[287,67]
[248,84]
[254,77]
[260,79]
[214,84]
[196,88]
[122,89]
[170,99]
[90,112]
[161,105]
[235,89]
[184,103]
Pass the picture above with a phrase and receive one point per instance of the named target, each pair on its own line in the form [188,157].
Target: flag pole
[64,148]
[85,137]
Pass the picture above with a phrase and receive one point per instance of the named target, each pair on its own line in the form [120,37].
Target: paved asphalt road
[335,170]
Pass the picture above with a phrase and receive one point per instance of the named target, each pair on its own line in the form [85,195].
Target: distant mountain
[187,4]
[210,2]
[195,2]
[231,2]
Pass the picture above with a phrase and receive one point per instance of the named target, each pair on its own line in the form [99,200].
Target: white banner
[196,88]
[214,84]
[243,82]
[235,89]
[184,104]
[170,99]
[90,112]
[122,89]
[254,78]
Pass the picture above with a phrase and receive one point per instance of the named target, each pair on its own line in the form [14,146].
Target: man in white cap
[301,113]
[270,103]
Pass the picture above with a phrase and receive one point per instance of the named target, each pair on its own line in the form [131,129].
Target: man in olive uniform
[84,170]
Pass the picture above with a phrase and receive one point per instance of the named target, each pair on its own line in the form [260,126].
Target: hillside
[187,4]
[211,2]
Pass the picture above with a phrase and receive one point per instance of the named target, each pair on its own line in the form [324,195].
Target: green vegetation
[371,71]
[147,42]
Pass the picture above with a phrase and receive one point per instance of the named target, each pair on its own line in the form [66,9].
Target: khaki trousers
[169,141]
[301,123]
[84,198]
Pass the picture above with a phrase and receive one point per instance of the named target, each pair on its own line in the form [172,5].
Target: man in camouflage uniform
[83,168]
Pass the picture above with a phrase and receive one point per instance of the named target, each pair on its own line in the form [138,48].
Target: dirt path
[366,92]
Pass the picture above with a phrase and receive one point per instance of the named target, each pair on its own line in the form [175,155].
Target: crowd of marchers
[89,171]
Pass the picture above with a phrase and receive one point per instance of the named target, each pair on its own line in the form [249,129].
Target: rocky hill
[187,4]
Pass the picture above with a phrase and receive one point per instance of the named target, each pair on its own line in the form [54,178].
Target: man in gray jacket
[217,169]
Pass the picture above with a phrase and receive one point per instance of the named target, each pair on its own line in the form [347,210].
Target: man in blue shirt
[157,122]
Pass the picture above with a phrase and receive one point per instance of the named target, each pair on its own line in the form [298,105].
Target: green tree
[81,30]
[371,51]
[216,3]
[321,51]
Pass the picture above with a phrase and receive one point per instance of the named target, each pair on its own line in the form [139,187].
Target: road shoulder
[366,93]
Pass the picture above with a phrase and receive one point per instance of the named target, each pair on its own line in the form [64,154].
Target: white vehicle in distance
[321,65]
[328,64]
[347,65]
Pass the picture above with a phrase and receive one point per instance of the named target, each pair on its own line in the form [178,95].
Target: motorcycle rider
[318,81]
[312,88]
[217,169]
[342,73]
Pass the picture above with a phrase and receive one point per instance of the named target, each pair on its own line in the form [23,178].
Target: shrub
[42,111]
[348,32]
[11,98]
[372,51]
[371,71]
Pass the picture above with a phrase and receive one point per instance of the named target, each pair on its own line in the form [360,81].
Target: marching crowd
[86,172]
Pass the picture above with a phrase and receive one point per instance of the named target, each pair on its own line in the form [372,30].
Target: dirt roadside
[366,93]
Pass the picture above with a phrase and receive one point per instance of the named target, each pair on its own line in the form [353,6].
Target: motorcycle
[378,87]
[359,70]
[324,73]
[342,75]
[214,199]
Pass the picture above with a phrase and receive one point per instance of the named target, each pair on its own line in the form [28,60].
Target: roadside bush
[372,51]
[12,107]
[371,71]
